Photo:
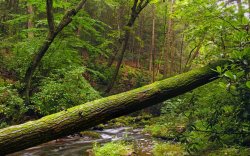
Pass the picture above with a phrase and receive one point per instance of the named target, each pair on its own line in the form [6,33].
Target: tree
[84,116]
[30,20]
[136,9]
[169,42]
[52,33]
[152,51]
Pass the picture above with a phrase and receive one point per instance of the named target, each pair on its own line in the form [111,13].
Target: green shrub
[11,105]
[63,90]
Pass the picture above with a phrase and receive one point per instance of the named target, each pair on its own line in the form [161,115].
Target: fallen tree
[84,116]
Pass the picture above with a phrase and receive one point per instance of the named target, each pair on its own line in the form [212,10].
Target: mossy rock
[113,149]
[99,127]
[167,149]
[166,132]
[90,134]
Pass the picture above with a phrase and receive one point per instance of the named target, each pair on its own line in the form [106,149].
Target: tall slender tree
[153,52]
[169,40]
[136,9]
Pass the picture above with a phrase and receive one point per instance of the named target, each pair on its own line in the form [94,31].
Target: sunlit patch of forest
[194,55]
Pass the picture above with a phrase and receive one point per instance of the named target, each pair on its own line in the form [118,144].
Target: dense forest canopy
[58,54]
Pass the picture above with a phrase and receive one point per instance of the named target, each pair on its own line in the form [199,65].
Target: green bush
[11,105]
[63,90]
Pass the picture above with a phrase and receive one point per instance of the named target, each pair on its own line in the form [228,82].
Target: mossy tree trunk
[87,115]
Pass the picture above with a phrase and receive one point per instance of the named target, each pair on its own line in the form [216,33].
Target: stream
[81,146]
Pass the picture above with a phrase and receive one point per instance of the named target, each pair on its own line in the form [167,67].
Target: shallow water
[80,146]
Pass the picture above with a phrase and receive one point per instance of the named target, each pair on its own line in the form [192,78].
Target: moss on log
[19,137]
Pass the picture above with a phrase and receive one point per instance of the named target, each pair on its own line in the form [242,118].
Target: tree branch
[67,18]
[142,5]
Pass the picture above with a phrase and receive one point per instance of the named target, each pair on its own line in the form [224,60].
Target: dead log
[19,137]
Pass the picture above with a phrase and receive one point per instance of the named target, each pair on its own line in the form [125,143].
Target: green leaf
[229,74]
[219,69]
[248,84]
[240,74]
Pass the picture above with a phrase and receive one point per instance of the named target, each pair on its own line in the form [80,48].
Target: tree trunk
[181,52]
[152,51]
[30,20]
[119,63]
[164,43]
[132,50]
[169,41]
[141,19]
[136,10]
[78,118]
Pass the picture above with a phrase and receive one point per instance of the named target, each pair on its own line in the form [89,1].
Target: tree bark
[78,118]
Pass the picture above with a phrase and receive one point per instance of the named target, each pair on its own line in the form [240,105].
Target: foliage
[62,90]
[113,149]
[234,151]
[11,105]
[213,118]
[132,78]
[129,77]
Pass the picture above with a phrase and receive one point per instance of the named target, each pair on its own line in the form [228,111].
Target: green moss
[167,149]
[229,152]
[113,149]
[166,128]
[90,134]
[137,121]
